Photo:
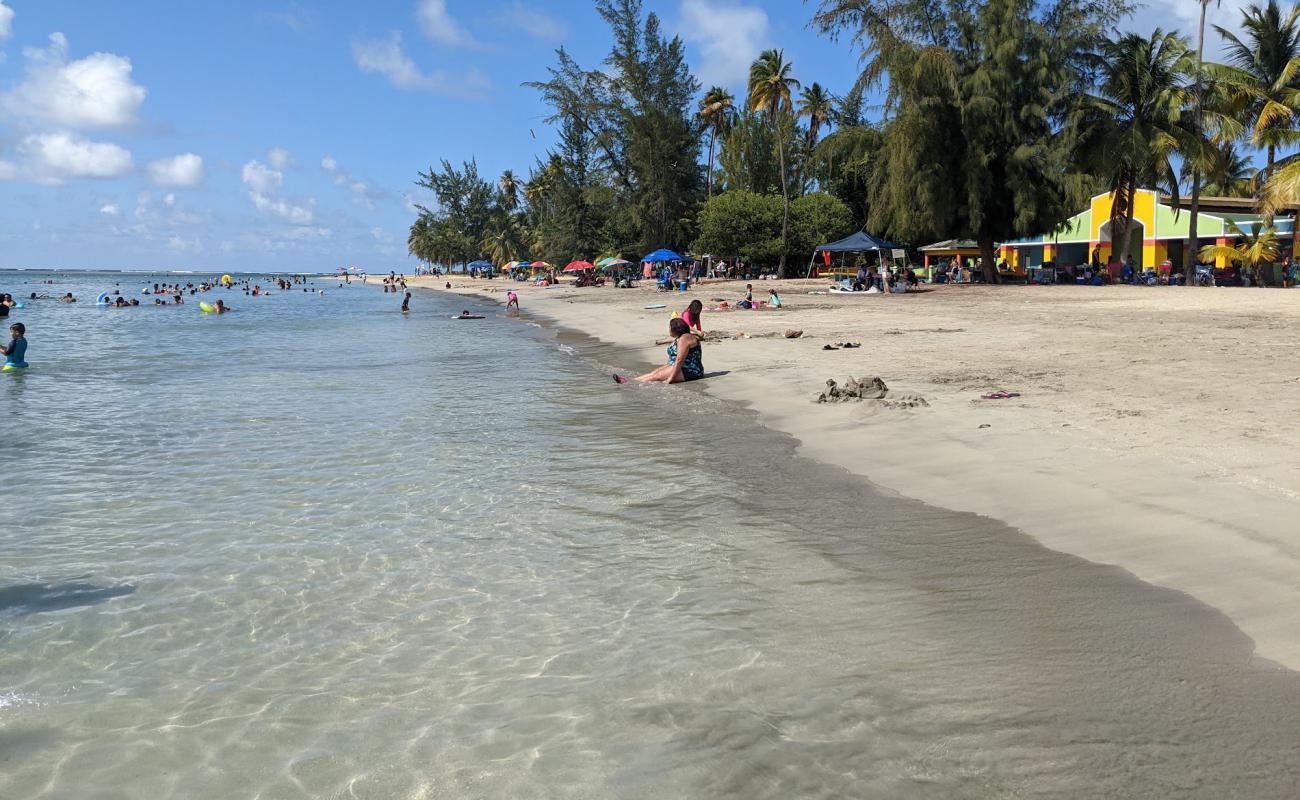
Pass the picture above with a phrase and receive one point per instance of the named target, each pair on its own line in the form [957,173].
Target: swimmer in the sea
[221,307]
[16,351]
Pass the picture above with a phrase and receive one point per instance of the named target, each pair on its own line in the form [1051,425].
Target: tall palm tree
[420,241]
[1197,137]
[716,110]
[1224,171]
[501,242]
[818,107]
[1132,126]
[770,89]
[1265,70]
[509,186]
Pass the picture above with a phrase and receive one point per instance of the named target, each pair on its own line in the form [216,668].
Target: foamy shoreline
[1155,430]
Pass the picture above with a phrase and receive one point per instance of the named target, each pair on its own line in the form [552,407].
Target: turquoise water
[316,548]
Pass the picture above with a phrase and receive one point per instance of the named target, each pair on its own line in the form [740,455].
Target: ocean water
[316,548]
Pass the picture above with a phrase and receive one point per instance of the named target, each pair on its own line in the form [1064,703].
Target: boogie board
[470,316]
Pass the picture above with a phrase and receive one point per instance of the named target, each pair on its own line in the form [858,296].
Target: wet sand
[1155,428]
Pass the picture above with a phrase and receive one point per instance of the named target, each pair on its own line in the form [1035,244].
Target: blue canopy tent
[479,265]
[662,255]
[860,242]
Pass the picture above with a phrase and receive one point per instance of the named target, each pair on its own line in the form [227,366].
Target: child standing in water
[16,351]
[406,303]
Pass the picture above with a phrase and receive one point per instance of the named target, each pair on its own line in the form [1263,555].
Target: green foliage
[1263,70]
[815,219]
[747,224]
[978,94]
[748,156]
[740,223]
[630,126]
[465,206]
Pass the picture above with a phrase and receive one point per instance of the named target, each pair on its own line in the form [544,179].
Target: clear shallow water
[318,549]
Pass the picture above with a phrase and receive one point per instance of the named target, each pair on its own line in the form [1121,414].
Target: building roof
[952,244]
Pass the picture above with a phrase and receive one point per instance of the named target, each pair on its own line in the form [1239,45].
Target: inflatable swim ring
[20,305]
[206,308]
[13,368]
[103,300]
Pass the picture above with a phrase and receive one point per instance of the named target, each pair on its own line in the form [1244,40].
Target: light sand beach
[1155,428]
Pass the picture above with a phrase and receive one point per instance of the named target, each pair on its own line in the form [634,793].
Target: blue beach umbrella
[662,255]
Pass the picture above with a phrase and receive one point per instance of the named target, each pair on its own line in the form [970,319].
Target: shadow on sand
[33,598]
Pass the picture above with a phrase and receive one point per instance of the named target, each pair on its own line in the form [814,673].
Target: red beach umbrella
[579,266]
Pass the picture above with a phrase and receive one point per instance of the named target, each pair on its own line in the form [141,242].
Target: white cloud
[92,92]
[438,24]
[110,210]
[386,57]
[726,36]
[6,22]
[185,169]
[264,185]
[52,157]
[8,171]
[279,207]
[533,21]
[363,193]
[279,158]
[261,178]
[181,245]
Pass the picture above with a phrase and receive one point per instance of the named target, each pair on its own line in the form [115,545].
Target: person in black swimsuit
[685,357]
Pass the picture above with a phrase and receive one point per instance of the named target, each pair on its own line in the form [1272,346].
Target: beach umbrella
[479,265]
[579,266]
[606,263]
[662,255]
[514,264]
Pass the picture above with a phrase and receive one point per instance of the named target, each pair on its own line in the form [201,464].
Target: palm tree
[420,241]
[1264,69]
[1224,171]
[1132,126]
[1254,249]
[770,88]
[1197,137]
[816,104]
[509,186]
[716,110]
[501,242]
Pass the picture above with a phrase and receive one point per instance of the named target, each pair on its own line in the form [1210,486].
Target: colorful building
[1159,232]
[965,249]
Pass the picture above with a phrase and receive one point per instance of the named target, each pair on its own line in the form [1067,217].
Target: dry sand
[1157,428]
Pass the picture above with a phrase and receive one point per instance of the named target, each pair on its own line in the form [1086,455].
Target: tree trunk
[713,137]
[1268,170]
[785,197]
[1126,236]
[1190,258]
[989,265]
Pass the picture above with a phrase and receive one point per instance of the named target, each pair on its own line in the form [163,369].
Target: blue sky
[285,135]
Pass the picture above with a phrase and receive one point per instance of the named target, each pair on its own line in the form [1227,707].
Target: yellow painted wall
[1144,211]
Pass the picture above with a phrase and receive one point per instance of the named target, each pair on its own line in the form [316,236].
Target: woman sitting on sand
[685,358]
